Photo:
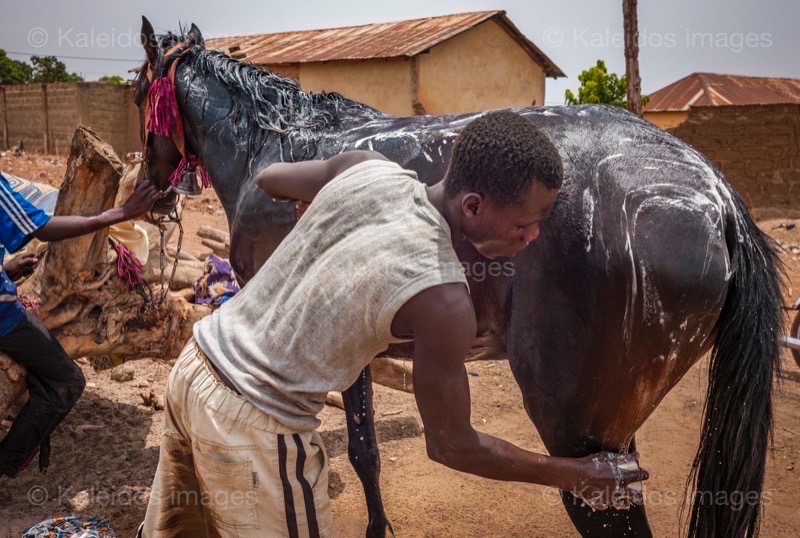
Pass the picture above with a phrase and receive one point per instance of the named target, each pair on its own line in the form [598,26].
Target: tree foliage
[112,79]
[51,69]
[598,86]
[13,71]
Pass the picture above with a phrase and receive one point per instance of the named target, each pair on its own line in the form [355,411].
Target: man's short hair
[501,154]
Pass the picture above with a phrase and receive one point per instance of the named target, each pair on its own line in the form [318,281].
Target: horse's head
[163,148]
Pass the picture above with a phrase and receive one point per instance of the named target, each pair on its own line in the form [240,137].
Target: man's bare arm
[443,321]
[303,180]
[67,226]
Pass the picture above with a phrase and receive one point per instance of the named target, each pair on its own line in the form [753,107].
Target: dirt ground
[105,453]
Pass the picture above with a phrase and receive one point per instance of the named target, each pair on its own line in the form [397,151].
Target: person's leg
[55,383]
[175,508]
[256,477]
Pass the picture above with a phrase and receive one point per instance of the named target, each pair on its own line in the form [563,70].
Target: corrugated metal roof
[382,40]
[709,89]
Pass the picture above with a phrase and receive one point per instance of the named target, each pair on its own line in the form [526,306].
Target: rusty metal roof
[710,89]
[381,40]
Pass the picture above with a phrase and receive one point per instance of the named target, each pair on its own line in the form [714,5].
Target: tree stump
[80,297]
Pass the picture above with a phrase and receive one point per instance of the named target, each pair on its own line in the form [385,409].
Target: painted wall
[383,84]
[483,68]
[666,120]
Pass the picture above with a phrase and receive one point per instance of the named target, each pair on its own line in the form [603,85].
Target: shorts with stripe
[228,469]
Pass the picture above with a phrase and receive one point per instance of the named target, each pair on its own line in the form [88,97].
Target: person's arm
[65,227]
[303,180]
[444,325]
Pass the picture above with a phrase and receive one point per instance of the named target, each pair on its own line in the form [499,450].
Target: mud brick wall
[44,116]
[757,147]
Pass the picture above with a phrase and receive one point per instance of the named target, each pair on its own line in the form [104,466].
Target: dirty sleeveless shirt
[322,305]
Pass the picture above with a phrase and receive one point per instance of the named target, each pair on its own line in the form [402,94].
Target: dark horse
[647,260]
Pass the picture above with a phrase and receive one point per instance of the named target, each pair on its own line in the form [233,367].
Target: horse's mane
[264,103]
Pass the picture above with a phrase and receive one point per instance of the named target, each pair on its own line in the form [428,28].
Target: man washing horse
[372,262]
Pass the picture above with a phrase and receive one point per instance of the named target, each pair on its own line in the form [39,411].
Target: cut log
[392,373]
[209,232]
[222,250]
[81,298]
[217,240]
[334,399]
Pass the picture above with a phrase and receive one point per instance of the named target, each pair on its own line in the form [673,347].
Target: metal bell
[188,184]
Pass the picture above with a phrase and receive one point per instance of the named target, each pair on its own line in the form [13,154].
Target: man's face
[496,229]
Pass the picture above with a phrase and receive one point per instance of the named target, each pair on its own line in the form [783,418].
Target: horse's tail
[728,470]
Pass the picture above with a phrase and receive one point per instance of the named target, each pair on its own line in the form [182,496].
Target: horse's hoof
[380,529]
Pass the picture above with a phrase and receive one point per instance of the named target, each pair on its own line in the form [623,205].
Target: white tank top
[322,305]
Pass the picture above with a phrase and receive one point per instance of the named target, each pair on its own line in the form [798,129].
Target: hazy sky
[678,37]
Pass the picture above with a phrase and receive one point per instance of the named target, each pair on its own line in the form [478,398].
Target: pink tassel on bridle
[163,107]
[128,267]
[199,168]
[163,118]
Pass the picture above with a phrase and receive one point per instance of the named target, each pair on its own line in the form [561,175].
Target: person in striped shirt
[54,382]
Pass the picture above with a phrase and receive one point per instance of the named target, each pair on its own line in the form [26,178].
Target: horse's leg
[362,448]
[595,346]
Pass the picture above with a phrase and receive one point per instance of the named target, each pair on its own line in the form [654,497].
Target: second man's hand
[140,201]
[21,265]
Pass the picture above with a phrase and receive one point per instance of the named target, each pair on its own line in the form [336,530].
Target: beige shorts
[228,469]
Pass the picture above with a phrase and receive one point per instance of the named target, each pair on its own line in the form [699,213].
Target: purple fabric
[218,283]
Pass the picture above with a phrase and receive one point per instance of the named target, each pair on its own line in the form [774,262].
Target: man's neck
[449,209]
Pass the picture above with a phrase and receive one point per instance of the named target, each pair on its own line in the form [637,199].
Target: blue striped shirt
[18,220]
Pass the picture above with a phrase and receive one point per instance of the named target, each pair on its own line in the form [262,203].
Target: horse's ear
[195,36]
[149,41]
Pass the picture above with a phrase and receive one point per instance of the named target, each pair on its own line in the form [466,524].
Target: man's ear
[473,204]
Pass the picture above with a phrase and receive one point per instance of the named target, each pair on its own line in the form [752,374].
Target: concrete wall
[483,68]
[757,147]
[44,116]
[24,116]
[666,120]
[383,84]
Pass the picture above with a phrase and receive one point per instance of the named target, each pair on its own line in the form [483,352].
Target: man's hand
[141,200]
[21,265]
[443,324]
[603,480]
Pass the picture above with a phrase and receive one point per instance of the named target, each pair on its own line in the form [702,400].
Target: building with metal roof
[436,65]
[669,106]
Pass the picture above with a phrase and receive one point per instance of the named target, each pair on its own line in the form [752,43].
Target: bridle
[160,115]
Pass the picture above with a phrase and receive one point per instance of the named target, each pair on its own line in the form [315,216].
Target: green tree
[13,71]
[112,79]
[50,69]
[598,86]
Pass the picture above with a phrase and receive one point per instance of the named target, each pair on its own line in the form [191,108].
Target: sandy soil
[106,451]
